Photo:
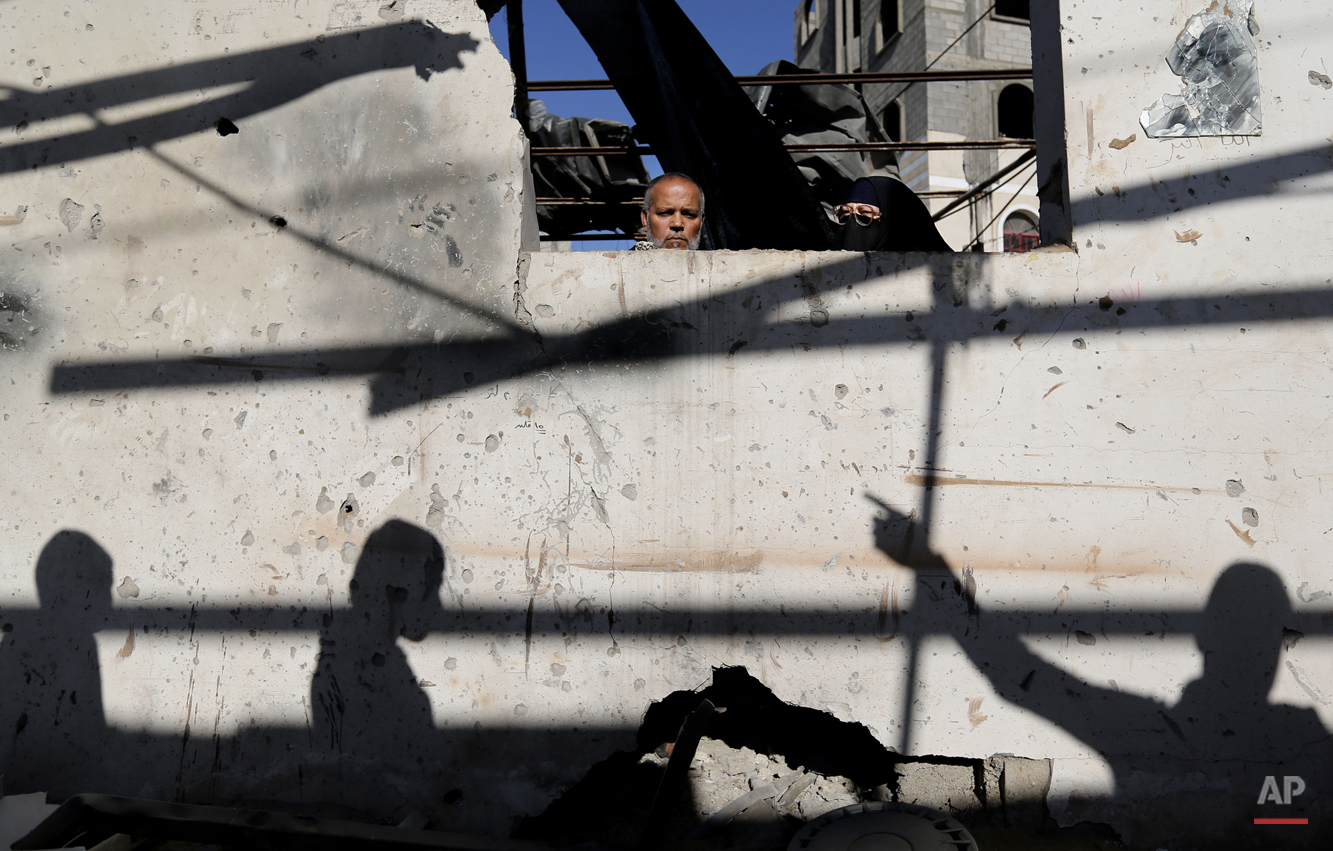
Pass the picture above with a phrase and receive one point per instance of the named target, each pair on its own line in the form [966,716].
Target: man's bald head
[673,211]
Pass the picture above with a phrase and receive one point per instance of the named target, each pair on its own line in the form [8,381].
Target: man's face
[674,218]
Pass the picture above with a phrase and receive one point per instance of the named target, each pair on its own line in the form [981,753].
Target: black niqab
[904,222]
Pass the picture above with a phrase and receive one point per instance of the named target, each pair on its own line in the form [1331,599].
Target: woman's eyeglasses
[865,215]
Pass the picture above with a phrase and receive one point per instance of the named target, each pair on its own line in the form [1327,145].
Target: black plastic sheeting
[825,114]
[689,108]
[610,179]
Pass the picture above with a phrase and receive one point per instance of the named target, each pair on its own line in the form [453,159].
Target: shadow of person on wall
[369,709]
[1203,760]
[50,682]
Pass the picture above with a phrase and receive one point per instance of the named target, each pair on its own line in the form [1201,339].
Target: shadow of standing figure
[1204,759]
[369,711]
[51,708]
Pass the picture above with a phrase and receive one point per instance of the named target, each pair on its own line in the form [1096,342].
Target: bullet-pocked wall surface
[263,202]
[320,491]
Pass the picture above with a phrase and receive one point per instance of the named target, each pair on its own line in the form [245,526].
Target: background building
[839,36]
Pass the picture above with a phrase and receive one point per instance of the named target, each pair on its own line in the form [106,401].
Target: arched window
[1013,112]
[1012,9]
[893,121]
[1020,233]
[807,21]
[888,18]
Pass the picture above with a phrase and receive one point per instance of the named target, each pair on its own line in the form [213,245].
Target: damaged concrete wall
[1081,466]
[321,492]
[188,185]
[1248,207]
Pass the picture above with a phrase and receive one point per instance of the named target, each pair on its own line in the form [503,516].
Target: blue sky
[746,34]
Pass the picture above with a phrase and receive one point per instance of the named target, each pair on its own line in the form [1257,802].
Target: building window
[889,21]
[856,18]
[1017,9]
[1020,233]
[893,121]
[1013,112]
[807,21]
[888,24]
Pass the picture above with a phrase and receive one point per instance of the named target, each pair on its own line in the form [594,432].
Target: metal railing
[638,202]
[967,145]
[815,78]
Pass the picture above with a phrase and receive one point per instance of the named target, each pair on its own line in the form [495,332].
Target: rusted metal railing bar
[969,145]
[638,202]
[557,202]
[589,237]
[981,187]
[864,77]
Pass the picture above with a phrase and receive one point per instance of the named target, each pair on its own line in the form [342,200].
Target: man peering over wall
[673,213]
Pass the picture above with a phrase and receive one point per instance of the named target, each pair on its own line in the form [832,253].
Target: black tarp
[688,107]
[610,179]
[825,114]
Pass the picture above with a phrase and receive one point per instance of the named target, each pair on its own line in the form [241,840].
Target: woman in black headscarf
[882,214]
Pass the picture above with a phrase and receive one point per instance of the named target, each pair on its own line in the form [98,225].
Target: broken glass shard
[1217,58]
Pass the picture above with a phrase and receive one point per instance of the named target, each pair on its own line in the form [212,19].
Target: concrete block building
[839,36]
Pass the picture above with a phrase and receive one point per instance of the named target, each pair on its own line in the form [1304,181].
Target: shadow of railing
[367,716]
[1228,182]
[1107,721]
[271,77]
[407,374]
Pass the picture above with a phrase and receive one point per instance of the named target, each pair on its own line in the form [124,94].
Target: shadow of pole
[1228,182]
[368,707]
[946,297]
[1222,726]
[408,373]
[270,78]
[322,245]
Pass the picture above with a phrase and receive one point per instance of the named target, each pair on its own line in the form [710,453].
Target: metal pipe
[945,51]
[980,238]
[638,202]
[985,184]
[557,202]
[589,237]
[866,77]
[970,145]
[639,150]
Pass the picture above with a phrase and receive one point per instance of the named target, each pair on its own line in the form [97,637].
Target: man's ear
[643,218]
